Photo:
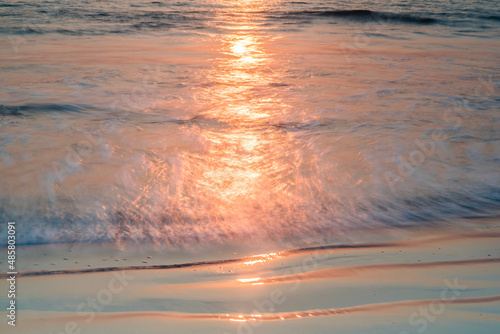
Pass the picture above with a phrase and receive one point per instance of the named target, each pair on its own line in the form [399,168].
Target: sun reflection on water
[245,160]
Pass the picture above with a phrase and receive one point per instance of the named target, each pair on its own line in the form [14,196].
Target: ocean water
[207,122]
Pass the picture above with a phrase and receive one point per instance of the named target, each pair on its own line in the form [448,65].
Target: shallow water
[206,122]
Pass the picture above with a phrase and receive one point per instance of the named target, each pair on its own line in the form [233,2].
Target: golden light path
[246,162]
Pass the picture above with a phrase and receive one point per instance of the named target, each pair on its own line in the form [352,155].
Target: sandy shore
[423,281]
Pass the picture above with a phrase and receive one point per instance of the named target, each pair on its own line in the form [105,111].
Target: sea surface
[188,124]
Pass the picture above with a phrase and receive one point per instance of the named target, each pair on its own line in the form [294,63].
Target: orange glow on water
[242,318]
[252,281]
[246,280]
[262,258]
[241,165]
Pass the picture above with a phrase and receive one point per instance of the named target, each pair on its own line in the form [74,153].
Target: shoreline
[293,291]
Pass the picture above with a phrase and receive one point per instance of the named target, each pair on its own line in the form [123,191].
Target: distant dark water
[135,17]
[203,122]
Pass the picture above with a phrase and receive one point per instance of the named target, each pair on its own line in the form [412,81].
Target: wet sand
[419,281]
